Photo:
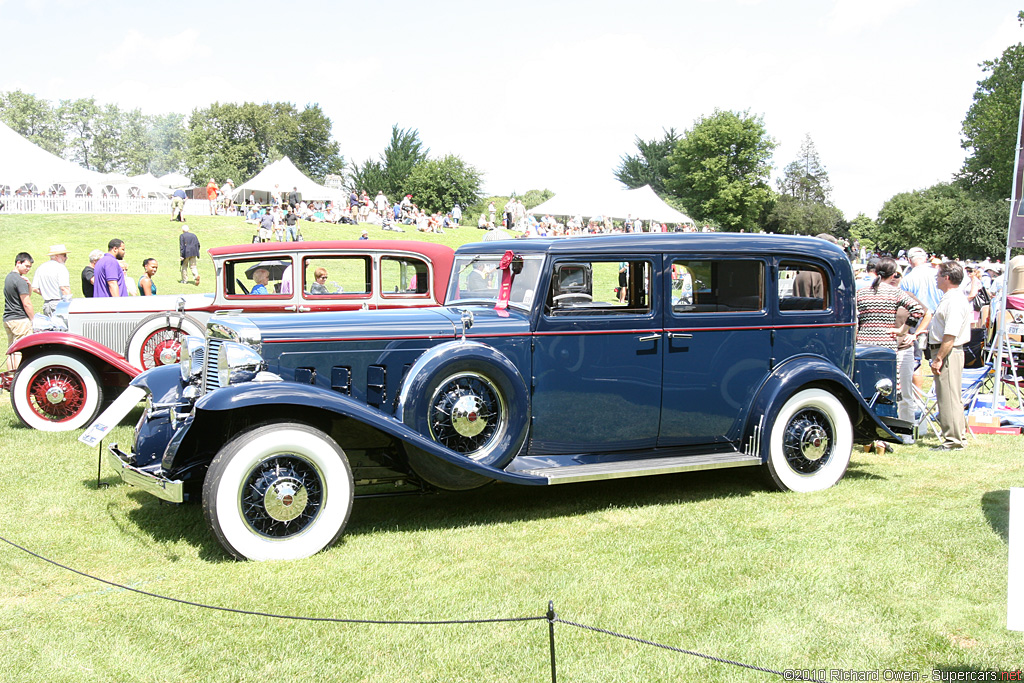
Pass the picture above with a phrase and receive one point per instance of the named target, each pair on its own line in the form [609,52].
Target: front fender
[36,343]
[163,383]
[287,395]
[790,377]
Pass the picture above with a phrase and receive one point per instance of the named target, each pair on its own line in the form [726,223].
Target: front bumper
[149,481]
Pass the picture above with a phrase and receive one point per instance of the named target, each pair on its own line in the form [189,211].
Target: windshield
[477,279]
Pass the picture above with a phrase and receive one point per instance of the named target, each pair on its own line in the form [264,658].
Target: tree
[166,141]
[438,184]
[237,140]
[944,219]
[719,169]
[990,127]
[534,198]
[33,118]
[862,229]
[396,164]
[805,178]
[792,216]
[369,176]
[312,149]
[400,156]
[651,165]
[78,119]
[803,207]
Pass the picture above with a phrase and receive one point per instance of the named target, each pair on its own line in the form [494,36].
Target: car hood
[139,304]
[430,323]
[352,325]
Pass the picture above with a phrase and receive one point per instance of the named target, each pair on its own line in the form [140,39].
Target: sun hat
[58,249]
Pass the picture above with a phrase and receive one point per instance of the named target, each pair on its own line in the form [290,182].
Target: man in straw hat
[52,280]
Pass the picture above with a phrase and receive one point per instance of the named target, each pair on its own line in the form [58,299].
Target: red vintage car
[65,376]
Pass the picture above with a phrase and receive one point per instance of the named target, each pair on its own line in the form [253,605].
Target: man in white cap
[52,280]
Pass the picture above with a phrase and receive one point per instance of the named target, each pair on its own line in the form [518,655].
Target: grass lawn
[901,566]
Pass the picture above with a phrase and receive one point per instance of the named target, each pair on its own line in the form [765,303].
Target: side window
[336,276]
[802,287]
[404,276]
[255,277]
[717,286]
[600,288]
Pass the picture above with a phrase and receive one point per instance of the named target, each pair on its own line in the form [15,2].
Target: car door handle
[300,309]
[679,335]
[649,337]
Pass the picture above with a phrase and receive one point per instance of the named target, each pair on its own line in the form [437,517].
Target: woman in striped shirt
[877,308]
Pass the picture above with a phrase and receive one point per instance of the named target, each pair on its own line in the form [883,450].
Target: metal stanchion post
[551,638]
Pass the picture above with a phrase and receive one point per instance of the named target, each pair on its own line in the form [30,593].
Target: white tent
[174,180]
[282,175]
[640,203]
[26,165]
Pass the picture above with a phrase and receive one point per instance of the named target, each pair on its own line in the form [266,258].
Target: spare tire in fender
[157,340]
[471,399]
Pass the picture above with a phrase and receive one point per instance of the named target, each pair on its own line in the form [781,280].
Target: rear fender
[41,342]
[795,374]
[283,398]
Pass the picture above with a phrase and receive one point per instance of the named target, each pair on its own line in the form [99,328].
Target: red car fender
[66,340]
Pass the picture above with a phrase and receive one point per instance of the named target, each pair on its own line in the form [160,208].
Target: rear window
[717,286]
[803,287]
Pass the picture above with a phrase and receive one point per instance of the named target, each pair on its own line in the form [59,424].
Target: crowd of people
[924,307]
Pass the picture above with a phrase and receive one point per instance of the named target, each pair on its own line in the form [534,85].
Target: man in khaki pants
[949,331]
[188,245]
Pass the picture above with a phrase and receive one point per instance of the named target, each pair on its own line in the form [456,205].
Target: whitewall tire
[811,442]
[56,392]
[281,491]
[157,340]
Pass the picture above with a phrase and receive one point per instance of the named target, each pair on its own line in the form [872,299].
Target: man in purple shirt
[108,278]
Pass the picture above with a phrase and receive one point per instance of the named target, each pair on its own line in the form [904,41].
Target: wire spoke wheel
[808,440]
[162,347]
[467,413]
[281,496]
[56,394]
[279,491]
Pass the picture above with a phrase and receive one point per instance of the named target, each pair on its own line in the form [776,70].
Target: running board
[642,468]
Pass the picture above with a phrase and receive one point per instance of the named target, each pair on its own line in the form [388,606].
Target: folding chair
[926,406]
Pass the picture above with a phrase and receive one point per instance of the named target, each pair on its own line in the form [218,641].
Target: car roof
[739,243]
[440,255]
[429,249]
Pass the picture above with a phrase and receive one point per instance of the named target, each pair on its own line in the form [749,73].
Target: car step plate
[642,468]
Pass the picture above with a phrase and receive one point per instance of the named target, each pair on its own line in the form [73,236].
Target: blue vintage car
[553,361]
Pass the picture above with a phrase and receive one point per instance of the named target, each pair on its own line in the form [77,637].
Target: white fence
[12,204]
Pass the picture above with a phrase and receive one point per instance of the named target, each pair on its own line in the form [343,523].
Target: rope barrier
[268,614]
[550,617]
[790,675]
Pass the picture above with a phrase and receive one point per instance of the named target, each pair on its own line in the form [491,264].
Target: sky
[546,94]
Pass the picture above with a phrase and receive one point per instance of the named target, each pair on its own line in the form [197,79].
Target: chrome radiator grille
[111,333]
[210,379]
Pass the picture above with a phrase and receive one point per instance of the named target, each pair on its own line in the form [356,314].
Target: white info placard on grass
[1015,587]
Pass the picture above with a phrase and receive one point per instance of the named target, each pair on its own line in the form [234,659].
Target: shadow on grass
[996,505]
[507,503]
[858,470]
[155,521]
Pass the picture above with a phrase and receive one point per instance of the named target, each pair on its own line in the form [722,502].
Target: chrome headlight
[884,386]
[238,363]
[193,357]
